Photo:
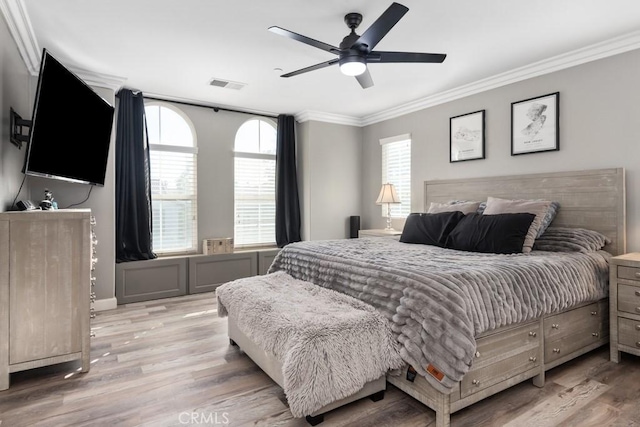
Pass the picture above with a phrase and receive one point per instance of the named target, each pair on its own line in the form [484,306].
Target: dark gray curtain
[133,190]
[287,203]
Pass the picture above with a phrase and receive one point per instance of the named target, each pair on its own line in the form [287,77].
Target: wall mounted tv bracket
[16,125]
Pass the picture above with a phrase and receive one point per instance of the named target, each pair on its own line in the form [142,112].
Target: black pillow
[499,233]
[429,229]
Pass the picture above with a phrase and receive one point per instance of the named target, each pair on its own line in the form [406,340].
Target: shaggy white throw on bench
[330,344]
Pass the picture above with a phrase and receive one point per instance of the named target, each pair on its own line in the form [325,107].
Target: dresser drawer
[495,347]
[631,273]
[629,332]
[568,323]
[629,298]
[479,379]
[555,349]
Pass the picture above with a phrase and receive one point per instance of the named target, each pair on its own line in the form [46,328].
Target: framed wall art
[466,137]
[535,125]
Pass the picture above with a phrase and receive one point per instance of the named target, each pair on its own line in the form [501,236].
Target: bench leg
[233,343]
[376,397]
[314,421]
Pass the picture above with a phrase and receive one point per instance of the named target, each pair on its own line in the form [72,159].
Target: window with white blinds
[255,184]
[173,160]
[396,170]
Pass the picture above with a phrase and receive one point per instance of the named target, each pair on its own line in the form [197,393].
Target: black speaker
[354,226]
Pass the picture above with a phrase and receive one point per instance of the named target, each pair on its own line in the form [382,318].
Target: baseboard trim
[105,304]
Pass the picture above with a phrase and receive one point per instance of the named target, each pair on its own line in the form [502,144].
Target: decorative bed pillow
[537,207]
[464,207]
[498,233]
[429,229]
[561,239]
[548,217]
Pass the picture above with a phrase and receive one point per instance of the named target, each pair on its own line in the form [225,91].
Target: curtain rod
[216,109]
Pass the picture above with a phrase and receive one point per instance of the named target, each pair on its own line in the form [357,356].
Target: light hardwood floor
[168,363]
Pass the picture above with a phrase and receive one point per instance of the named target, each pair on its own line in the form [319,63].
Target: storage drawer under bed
[502,355]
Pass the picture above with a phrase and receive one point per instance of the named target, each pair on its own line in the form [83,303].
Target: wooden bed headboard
[592,199]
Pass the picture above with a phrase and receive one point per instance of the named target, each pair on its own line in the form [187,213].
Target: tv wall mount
[17,129]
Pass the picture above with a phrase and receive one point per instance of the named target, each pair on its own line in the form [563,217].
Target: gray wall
[329,170]
[15,91]
[599,114]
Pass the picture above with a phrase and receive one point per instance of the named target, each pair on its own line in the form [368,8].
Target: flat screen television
[71,127]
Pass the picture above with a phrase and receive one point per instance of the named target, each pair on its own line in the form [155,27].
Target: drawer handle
[533,334]
[637,293]
[593,313]
[638,274]
[638,309]
[637,327]
[555,326]
[595,334]
[478,353]
[477,382]
[533,359]
[638,344]
[556,350]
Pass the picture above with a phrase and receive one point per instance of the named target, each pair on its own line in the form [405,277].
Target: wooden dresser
[45,282]
[624,297]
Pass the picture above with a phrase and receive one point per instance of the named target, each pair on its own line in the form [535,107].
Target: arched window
[255,183]
[172,152]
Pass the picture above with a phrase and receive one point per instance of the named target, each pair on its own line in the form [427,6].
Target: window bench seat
[166,277]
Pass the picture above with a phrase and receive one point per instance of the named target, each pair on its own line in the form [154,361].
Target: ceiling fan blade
[382,57]
[305,39]
[370,38]
[311,68]
[365,79]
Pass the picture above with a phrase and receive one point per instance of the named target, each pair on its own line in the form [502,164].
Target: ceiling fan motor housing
[347,52]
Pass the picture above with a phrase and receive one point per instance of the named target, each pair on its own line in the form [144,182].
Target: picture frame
[535,125]
[467,137]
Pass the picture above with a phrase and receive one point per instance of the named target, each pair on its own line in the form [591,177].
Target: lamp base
[389,227]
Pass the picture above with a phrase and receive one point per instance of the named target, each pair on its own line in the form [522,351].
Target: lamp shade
[388,194]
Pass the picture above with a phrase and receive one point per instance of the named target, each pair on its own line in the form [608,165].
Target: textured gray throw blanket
[439,300]
[329,344]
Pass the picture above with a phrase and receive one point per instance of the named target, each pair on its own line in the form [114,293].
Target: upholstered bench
[324,348]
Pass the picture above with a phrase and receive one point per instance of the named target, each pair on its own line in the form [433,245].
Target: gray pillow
[464,207]
[548,217]
[539,208]
[562,239]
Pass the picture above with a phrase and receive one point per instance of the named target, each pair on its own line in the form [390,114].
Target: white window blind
[173,171]
[255,184]
[396,170]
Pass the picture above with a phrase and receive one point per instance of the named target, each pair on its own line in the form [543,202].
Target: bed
[513,345]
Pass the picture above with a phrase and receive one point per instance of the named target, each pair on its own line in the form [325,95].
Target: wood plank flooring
[168,363]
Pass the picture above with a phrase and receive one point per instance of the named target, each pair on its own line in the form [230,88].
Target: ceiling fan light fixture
[352,65]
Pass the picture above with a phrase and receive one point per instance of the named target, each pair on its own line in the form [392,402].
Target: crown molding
[319,116]
[17,18]
[615,46]
[108,81]
[15,14]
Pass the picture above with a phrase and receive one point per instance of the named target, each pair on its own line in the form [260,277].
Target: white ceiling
[174,48]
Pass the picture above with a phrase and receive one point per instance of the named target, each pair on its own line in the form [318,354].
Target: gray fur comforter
[438,300]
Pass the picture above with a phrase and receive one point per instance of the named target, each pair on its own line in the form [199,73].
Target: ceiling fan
[356,51]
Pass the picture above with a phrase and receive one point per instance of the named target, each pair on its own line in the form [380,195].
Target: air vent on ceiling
[227,84]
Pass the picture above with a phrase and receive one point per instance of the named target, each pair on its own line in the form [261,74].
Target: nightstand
[379,233]
[624,303]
